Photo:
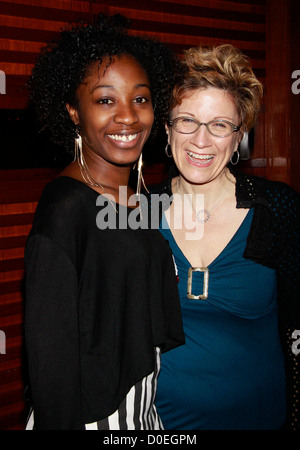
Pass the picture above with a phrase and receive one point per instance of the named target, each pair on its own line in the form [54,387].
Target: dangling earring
[140,179]
[166,151]
[78,148]
[237,158]
[84,170]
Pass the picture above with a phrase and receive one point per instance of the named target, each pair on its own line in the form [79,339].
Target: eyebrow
[110,86]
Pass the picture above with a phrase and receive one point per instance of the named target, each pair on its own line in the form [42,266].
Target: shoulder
[261,190]
[63,189]
[61,205]
[64,194]
[277,193]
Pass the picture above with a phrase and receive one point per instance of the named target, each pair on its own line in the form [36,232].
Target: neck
[109,175]
[216,189]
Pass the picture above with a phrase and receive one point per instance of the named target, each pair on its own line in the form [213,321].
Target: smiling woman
[101,304]
[115,117]
[239,278]
[209,144]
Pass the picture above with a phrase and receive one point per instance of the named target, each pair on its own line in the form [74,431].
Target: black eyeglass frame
[234,128]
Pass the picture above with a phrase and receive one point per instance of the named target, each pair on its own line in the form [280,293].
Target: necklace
[202,215]
[85,172]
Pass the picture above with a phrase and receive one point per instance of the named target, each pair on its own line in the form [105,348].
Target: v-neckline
[221,252]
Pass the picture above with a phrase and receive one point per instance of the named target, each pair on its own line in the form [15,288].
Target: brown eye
[105,101]
[140,100]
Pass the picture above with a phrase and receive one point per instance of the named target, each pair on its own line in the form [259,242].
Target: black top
[274,241]
[97,303]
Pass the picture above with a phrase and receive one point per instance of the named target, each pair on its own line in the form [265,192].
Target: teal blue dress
[230,373]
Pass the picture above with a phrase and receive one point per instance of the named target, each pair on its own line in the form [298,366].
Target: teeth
[123,137]
[197,156]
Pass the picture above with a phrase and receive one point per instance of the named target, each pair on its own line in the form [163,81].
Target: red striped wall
[27,24]
[17,206]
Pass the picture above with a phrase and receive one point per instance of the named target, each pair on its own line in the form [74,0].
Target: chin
[194,176]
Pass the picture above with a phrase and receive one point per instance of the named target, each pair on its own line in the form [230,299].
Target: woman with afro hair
[101,294]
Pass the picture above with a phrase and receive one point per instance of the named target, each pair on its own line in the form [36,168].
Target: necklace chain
[86,174]
[202,215]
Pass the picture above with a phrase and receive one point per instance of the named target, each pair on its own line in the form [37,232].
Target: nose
[201,138]
[126,114]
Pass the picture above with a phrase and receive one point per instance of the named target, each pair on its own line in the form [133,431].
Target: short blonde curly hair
[224,67]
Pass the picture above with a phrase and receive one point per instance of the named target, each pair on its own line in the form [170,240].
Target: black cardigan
[273,241]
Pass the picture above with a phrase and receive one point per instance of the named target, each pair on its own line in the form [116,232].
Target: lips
[200,158]
[123,137]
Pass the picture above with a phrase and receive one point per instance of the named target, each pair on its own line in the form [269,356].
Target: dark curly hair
[63,63]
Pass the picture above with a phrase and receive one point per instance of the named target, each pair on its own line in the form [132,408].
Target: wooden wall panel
[27,24]
[278,92]
[17,206]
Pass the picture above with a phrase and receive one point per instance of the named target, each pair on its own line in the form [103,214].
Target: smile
[200,157]
[123,137]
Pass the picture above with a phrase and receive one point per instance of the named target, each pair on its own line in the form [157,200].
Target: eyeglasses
[219,128]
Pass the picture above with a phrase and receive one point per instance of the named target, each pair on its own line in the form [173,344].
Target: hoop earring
[166,151]
[237,158]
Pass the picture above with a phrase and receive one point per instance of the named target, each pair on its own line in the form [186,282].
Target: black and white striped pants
[137,411]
